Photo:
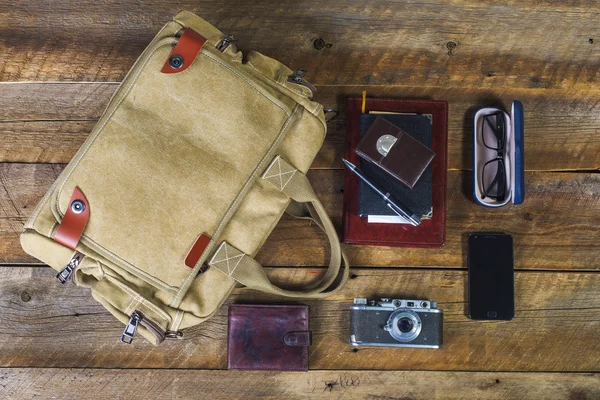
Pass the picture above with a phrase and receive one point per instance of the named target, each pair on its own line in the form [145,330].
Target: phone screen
[491,276]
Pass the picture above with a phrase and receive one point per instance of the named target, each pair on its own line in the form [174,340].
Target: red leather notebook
[268,337]
[430,233]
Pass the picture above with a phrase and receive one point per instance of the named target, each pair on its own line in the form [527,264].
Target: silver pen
[396,206]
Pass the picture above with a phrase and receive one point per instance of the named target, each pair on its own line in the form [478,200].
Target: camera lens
[405,325]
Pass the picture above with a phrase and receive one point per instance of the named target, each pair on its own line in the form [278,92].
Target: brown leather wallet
[268,337]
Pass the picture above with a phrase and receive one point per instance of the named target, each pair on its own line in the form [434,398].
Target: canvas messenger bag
[193,163]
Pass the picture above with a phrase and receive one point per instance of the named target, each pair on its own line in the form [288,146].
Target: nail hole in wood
[319,43]
[353,276]
[355,350]
[25,297]
[451,46]
[591,41]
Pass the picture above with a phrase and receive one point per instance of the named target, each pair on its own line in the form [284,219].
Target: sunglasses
[493,174]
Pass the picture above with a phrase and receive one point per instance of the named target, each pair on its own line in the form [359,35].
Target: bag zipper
[297,78]
[137,319]
[131,328]
[225,42]
[66,273]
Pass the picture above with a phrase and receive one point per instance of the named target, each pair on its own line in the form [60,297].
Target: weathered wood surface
[46,324]
[48,122]
[548,234]
[526,44]
[470,53]
[99,384]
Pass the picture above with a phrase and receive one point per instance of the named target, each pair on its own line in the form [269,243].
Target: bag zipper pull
[298,78]
[131,328]
[225,42]
[138,319]
[65,274]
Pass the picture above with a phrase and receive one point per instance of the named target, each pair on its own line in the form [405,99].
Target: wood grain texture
[548,234]
[462,43]
[216,385]
[46,324]
[48,122]
[470,53]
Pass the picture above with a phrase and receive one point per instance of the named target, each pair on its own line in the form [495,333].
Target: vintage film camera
[396,323]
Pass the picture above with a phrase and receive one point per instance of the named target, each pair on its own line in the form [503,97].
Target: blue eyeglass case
[514,156]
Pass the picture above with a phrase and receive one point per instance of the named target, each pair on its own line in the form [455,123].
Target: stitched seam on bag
[172,328]
[150,305]
[145,303]
[136,305]
[244,79]
[230,271]
[127,309]
[135,270]
[280,173]
[316,110]
[100,268]
[180,320]
[54,226]
[281,81]
[289,180]
[174,324]
[212,260]
[236,265]
[239,197]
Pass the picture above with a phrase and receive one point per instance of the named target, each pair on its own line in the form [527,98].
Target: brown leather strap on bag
[305,204]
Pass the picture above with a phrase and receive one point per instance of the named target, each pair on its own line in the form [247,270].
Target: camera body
[396,323]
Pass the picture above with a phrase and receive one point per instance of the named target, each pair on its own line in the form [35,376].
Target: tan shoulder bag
[193,163]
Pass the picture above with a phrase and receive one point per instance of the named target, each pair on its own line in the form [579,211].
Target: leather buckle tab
[184,53]
[74,221]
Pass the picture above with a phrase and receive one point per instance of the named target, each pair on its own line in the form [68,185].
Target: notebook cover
[394,150]
[430,233]
[418,199]
[268,337]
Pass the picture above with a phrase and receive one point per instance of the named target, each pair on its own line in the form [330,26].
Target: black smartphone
[491,276]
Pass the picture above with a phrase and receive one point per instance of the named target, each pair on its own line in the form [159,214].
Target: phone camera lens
[405,325]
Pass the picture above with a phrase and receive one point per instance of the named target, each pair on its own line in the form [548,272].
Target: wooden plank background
[61,61]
